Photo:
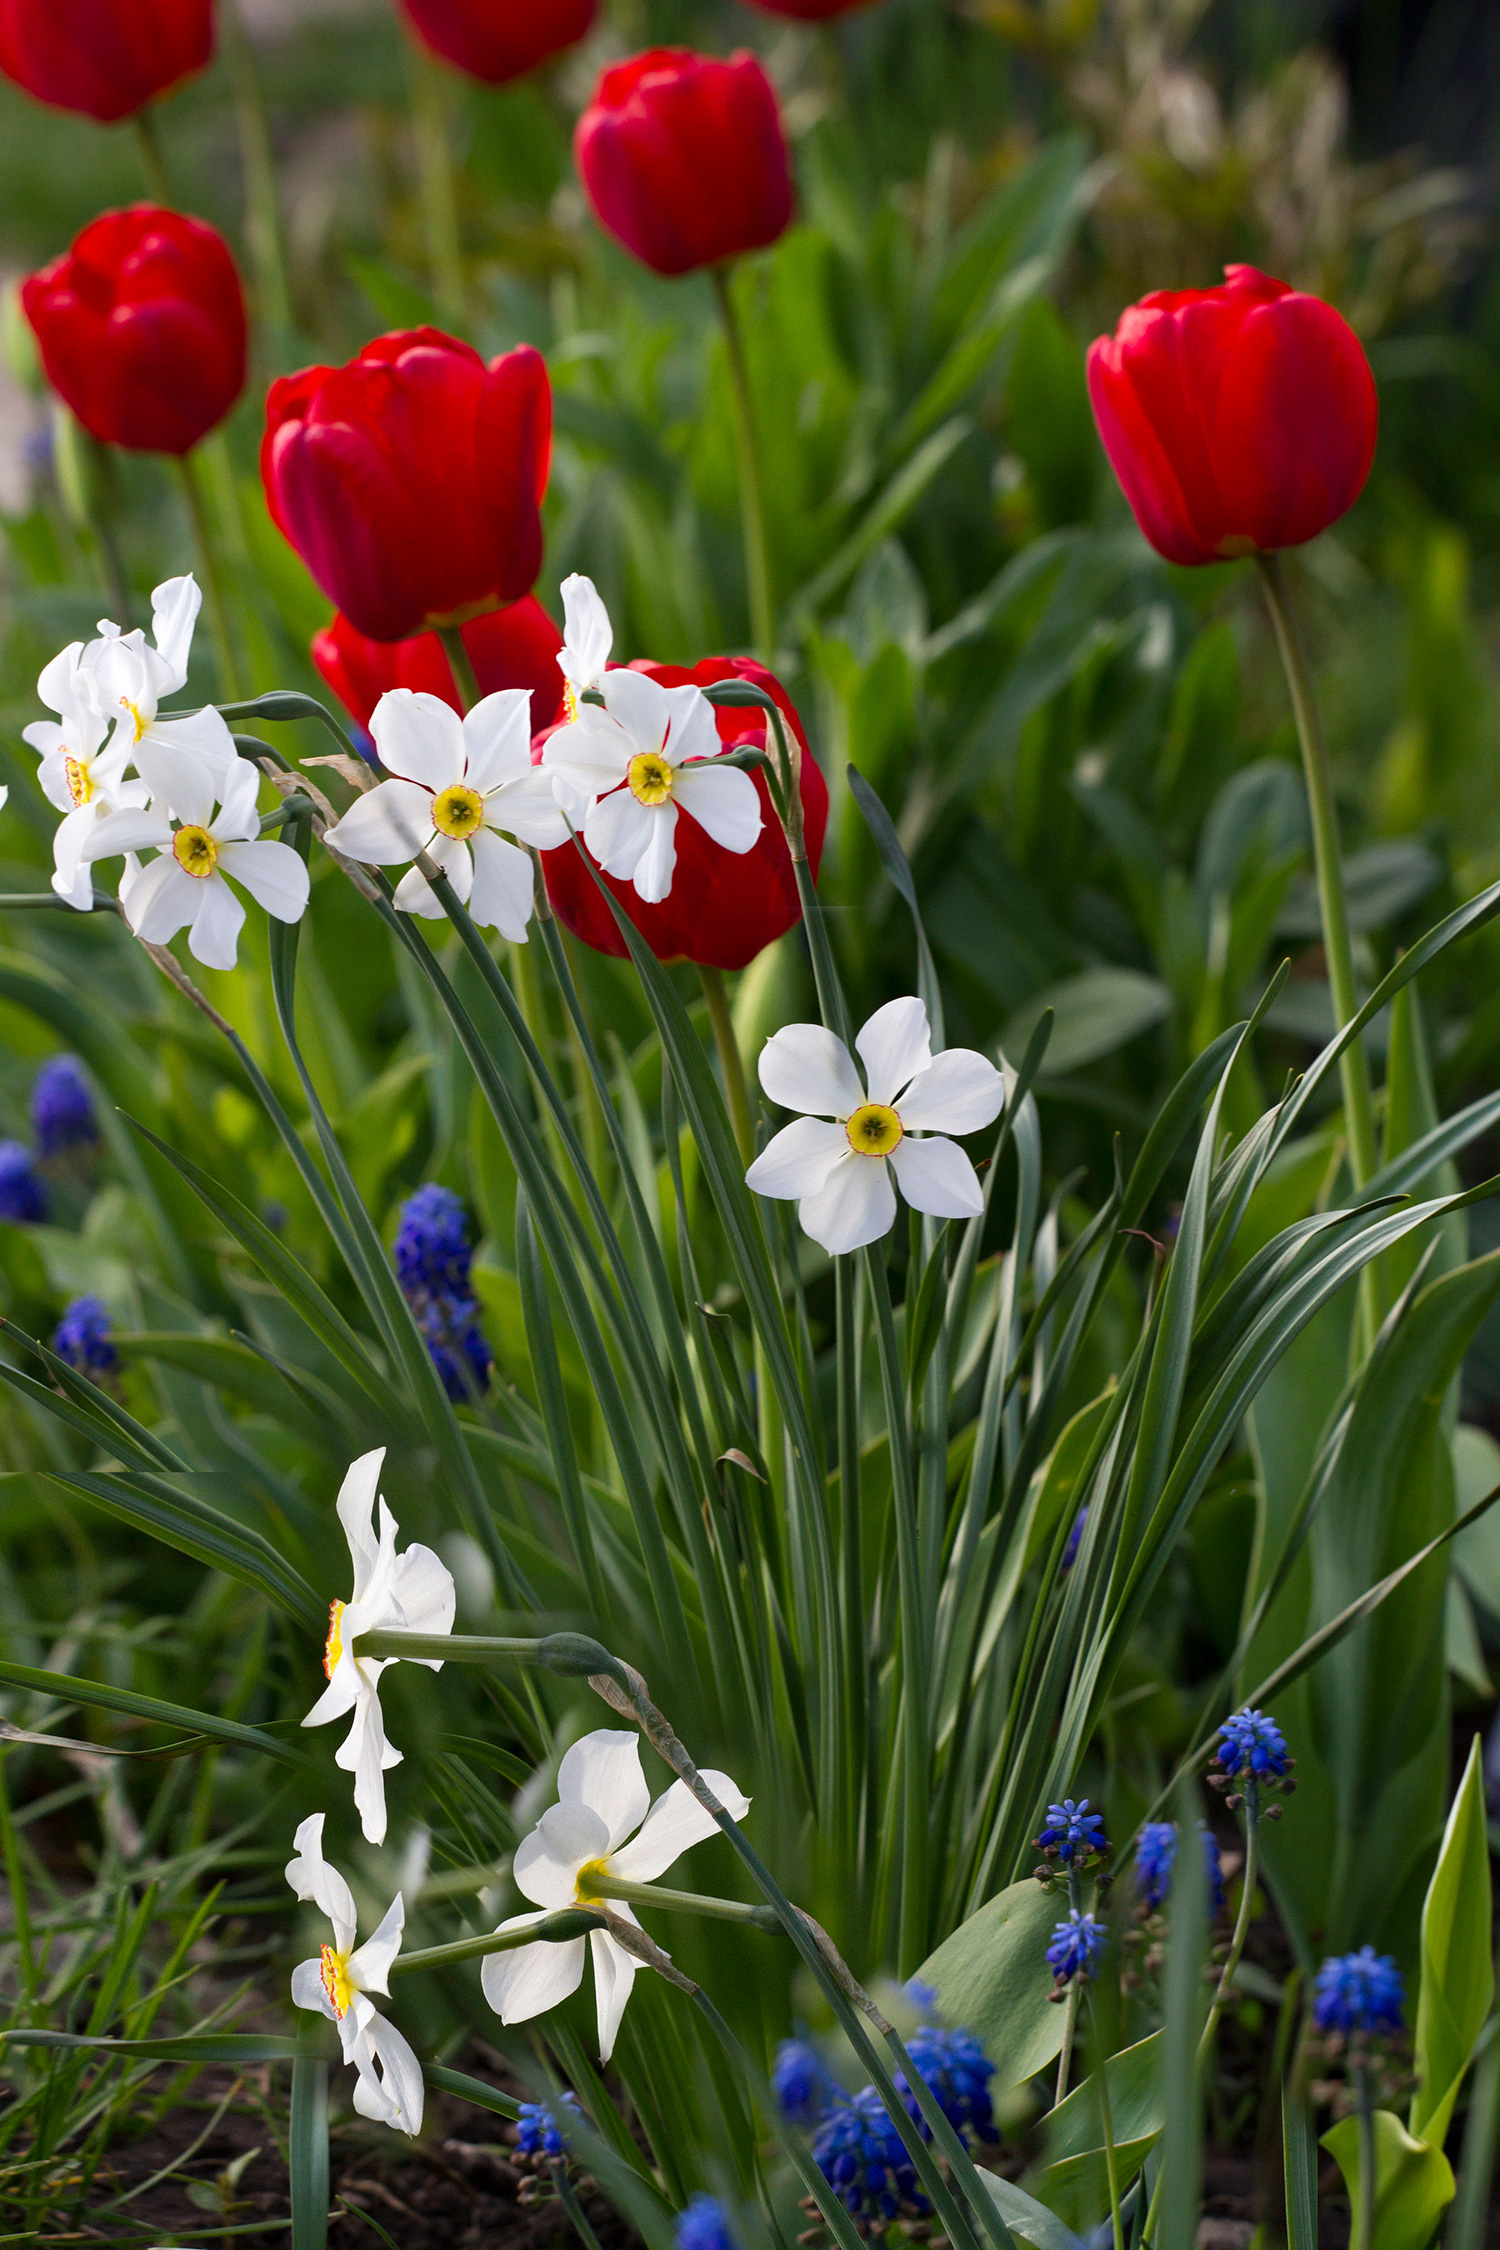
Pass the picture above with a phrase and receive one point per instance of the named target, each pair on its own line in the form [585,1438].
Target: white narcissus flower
[838,1158]
[338,1984]
[624,772]
[588,637]
[127,678]
[185,888]
[406,1593]
[602,1800]
[455,785]
[79,774]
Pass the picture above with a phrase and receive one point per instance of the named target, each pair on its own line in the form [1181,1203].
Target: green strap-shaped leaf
[309,2154]
[181,1520]
[1458,1977]
[67,1690]
[193,2046]
[1299,2164]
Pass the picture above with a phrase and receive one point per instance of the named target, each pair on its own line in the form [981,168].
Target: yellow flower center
[874,1129]
[333,1647]
[336,1982]
[650,778]
[195,852]
[458,811]
[570,702]
[81,785]
[588,1874]
[140,724]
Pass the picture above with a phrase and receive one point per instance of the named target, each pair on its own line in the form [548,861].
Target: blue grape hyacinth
[1361,1991]
[1072,1833]
[1076,1946]
[538,2129]
[802,2082]
[1252,1744]
[82,1338]
[62,1108]
[704,2225]
[862,2156]
[23,1196]
[957,2070]
[1075,1541]
[1155,1852]
[434,1265]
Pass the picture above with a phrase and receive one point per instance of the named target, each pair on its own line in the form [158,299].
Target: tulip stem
[436,183]
[148,148]
[213,586]
[747,451]
[731,1062]
[464,677]
[262,215]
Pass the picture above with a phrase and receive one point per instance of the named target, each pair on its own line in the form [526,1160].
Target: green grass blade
[309,2154]
[1299,2167]
[69,1690]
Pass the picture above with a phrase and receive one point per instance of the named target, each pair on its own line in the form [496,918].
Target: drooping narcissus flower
[853,1144]
[103,58]
[458,789]
[434,1267]
[141,328]
[62,1108]
[411,1593]
[23,1192]
[498,40]
[514,647]
[82,1338]
[602,1801]
[684,159]
[1238,419]
[1361,1991]
[1076,1946]
[410,481]
[339,1981]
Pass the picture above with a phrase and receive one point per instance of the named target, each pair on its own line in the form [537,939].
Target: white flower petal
[164,901]
[370,1967]
[415,895]
[855,1205]
[366,1754]
[935,1176]
[533,1978]
[959,1093]
[423,1598]
[641,706]
[58,682]
[497,738]
[129,830]
[658,862]
[527,808]
[275,876]
[603,1771]
[504,884]
[308,1990]
[198,734]
[588,635]
[894,1045]
[386,827]
[395,2096]
[798,1159]
[237,821]
[724,802]
[692,731]
[342,1692]
[614,1974]
[547,1861]
[356,1511]
[214,935]
[673,1825]
[803,1067]
[176,779]
[311,1877]
[419,737]
[174,613]
[618,832]
[587,758]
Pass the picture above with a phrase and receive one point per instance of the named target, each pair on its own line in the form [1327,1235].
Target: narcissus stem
[206,542]
[731,1062]
[752,508]
[436,182]
[148,148]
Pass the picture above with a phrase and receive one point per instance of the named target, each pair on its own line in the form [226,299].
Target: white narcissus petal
[355,1509]
[803,1067]
[236,821]
[309,1991]
[311,1877]
[177,780]
[132,830]
[415,895]
[642,707]
[797,1160]
[164,901]
[692,731]
[47,738]
[547,1861]
[936,1177]
[658,862]
[724,802]
[366,1754]
[275,876]
[614,1974]
[199,734]
[959,1093]
[399,2090]
[588,635]
[528,809]
[497,738]
[618,832]
[603,1771]
[386,827]
[214,933]
[57,682]
[855,1205]
[370,1967]
[504,885]
[423,1597]
[894,1045]
[673,1825]
[419,737]
[344,1689]
[174,612]
[533,1978]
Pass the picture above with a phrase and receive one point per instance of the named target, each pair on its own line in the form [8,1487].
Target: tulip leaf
[991,1974]
[1028,2220]
[1458,1979]
[1095,1012]
[1413,2182]
[1074,2181]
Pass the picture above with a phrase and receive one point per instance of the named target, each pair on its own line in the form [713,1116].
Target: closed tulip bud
[684,158]
[512,647]
[141,328]
[410,482]
[498,40]
[103,58]
[723,907]
[1238,419]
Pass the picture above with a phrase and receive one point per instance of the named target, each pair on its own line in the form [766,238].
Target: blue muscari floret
[957,2069]
[23,1198]
[1076,1946]
[82,1339]
[1072,1831]
[704,2225]
[62,1108]
[537,2128]
[922,1995]
[1075,1540]
[1156,1849]
[802,2082]
[1253,1744]
[1360,1991]
[434,1267]
[860,2153]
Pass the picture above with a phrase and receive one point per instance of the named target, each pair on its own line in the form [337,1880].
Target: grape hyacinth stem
[1242,1919]
[1070,2005]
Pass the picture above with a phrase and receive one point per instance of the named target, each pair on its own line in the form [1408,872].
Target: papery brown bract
[410,481]
[498,40]
[512,647]
[724,907]
[103,58]
[1238,419]
[684,158]
[141,328]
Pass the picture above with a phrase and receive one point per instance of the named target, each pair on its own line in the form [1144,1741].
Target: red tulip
[141,327]
[410,481]
[512,647]
[684,159]
[103,58]
[723,907]
[498,40]
[1238,419]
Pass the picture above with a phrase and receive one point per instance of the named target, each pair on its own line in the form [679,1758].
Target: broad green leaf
[1458,1978]
[1096,1012]
[1028,2220]
[991,1974]
[1413,2181]
[1073,2181]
